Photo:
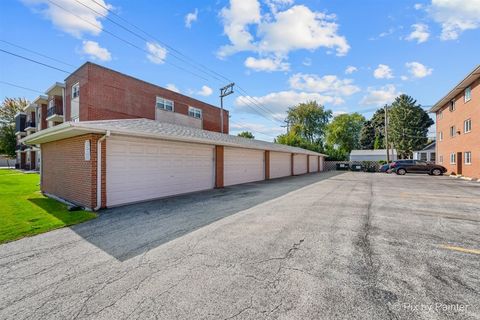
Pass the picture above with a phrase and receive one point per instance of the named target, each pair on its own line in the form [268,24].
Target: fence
[370,166]
[5,162]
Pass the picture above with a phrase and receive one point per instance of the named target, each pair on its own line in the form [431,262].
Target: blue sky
[348,56]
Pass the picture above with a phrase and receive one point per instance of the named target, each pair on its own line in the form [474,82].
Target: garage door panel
[141,169]
[300,164]
[280,164]
[243,165]
[313,164]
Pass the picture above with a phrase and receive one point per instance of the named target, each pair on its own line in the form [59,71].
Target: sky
[350,56]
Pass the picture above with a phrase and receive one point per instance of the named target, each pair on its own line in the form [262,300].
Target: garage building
[142,159]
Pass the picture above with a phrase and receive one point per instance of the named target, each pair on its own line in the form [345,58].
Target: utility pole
[225,91]
[386,133]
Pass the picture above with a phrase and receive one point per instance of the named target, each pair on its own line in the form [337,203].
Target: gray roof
[376,152]
[157,130]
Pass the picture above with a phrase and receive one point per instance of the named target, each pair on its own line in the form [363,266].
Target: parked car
[402,167]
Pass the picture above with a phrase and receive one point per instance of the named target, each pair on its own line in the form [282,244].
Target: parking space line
[460,249]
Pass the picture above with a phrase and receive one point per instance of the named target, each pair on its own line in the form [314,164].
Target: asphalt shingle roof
[161,130]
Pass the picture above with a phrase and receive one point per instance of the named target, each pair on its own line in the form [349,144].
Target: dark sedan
[401,167]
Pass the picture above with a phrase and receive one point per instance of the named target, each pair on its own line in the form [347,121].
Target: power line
[21,87]
[34,61]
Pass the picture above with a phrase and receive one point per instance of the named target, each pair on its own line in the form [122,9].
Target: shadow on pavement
[128,231]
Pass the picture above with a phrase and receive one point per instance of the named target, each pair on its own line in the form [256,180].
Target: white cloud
[404,78]
[236,20]
[205,91]
[351,69]
[279,31]
[157,53]
[420,33]
[266,64]
[172,87]
[418,6]
[380,96]
[94,51]
[68,22]
[279,102]
[418,70]
[329,84]
[307,62]
[455,16]
[383,72]
[190,18]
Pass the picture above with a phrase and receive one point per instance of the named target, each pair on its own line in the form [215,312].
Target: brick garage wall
[66,173]
[107,94]
[464,141]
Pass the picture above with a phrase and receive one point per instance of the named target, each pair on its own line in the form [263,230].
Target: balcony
[55,113]
[30,126]
[20,147]
[20,120]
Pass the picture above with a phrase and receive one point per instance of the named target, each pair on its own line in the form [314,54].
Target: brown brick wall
[66,173]
[464,141]
[107,94]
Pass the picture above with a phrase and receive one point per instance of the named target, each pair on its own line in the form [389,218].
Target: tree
[408,125]
[246,134]
[292,138]
[309,120]
[343,133]
[378,124]
[367,136]
[8,109]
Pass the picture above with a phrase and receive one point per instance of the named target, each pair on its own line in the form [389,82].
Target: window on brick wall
[195,112]
[76,90]
[452,131]
[451,106]
[440,136]
[468,157]
[164,104]
[467,125]
[440,115]
[440,159]
[453,158]
[468,94]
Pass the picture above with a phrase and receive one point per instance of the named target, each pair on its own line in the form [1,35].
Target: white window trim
[469,158]
[453,156]
[465,126]
[451,106]
[440,115]
[440,136]
[465,94]
[440,159]
[164,104]
[454,131]
[194,110]
[78,91]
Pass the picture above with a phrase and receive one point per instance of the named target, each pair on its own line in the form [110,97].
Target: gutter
[99,170]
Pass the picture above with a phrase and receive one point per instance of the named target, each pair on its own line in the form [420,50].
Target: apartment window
[440,159]
[440,136]
[76,90]
[468,157]
[468,94]
[423,156]
[432,156]
[195,112]
[440,115]
[452,131]
[467,125]
[51,103]
[164,104]
[451,107]
[453,158]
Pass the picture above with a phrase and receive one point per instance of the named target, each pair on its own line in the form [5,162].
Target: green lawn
[24,211]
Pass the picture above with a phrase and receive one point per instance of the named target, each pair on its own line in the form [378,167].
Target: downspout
[63,102]
[99,170]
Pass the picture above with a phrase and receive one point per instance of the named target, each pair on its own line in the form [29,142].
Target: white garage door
[300,164]
[141,169]
[243,165]
[280,164]
[313,164]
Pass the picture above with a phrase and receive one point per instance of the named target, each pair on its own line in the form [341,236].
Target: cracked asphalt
[320,246]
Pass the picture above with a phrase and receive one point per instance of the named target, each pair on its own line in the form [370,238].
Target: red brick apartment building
[123,140]
[458,127]
[93,92]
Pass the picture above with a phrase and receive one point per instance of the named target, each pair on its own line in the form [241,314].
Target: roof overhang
[40,99]
[55,89]
[60,132]
[468,80]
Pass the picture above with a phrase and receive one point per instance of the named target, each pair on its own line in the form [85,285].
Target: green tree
[8,109]
[367,136]
[246,134]
[309,120]
[378,124]
[343,133]
[408,125]
[292,138]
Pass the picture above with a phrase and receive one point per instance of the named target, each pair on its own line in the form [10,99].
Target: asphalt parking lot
[321,246]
